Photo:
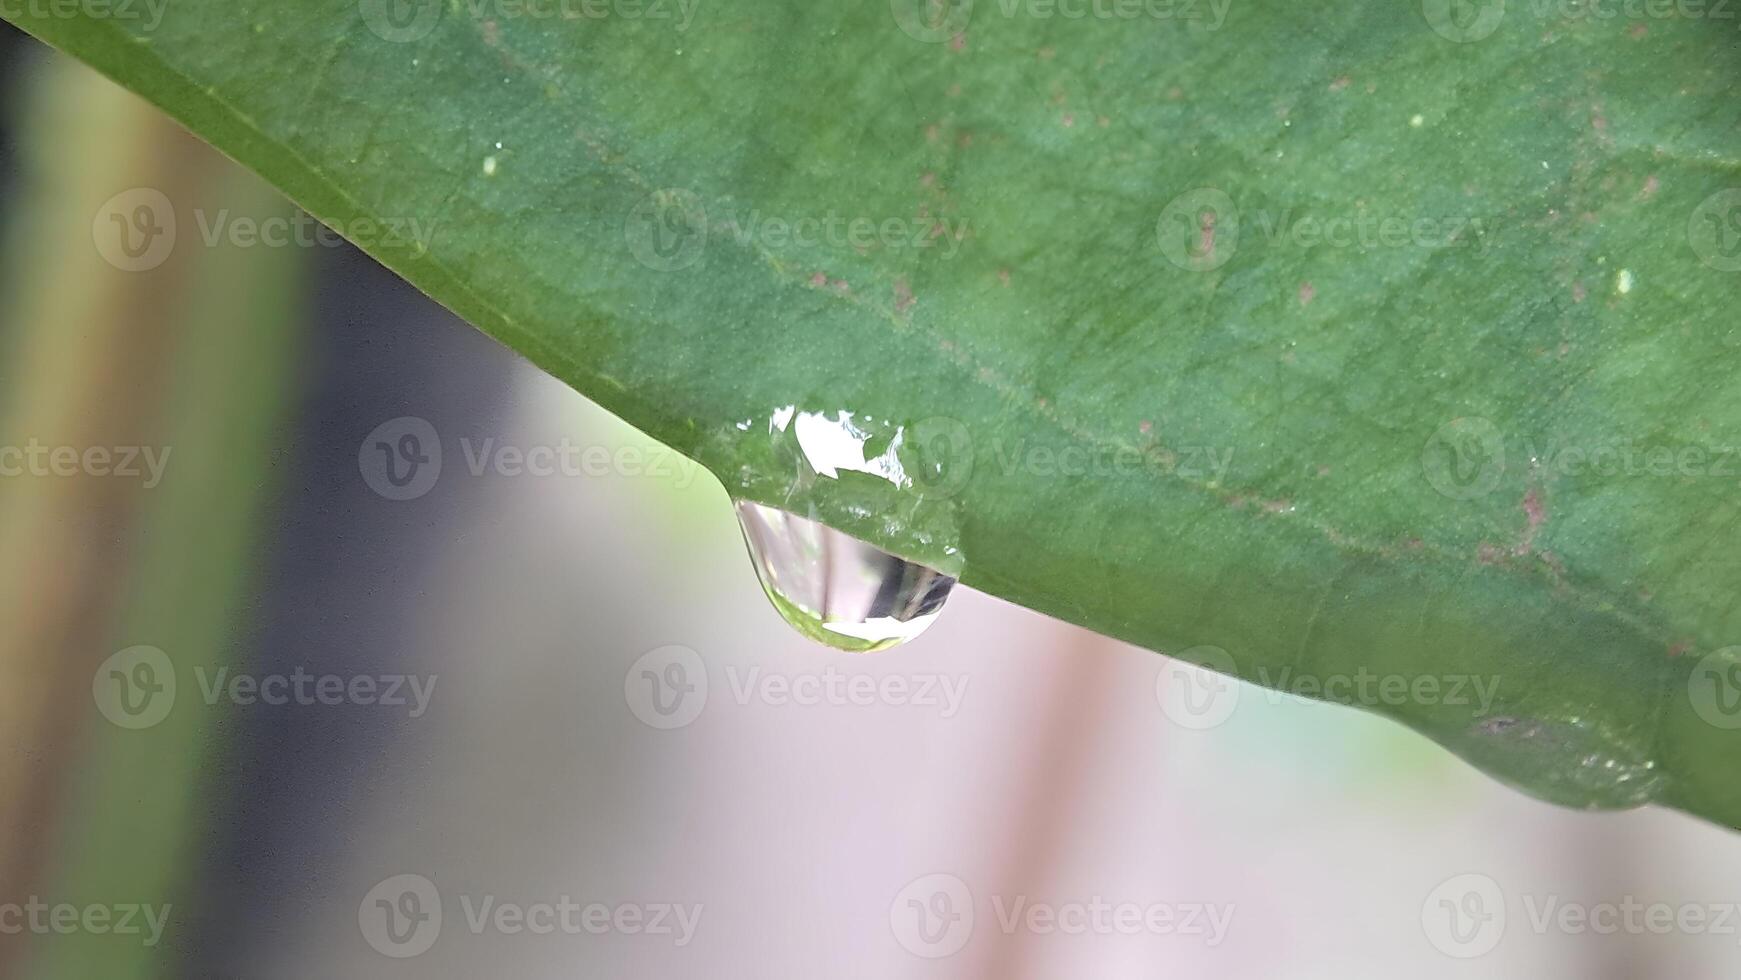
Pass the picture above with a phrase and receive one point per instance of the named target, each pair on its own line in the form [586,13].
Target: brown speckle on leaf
[1535,513]
[904,298]
[1533,508]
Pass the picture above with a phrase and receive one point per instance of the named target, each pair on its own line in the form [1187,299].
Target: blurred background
[277,701]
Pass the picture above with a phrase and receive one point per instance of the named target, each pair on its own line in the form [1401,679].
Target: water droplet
[836,589]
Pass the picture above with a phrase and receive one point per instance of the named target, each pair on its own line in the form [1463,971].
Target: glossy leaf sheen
[1396,405]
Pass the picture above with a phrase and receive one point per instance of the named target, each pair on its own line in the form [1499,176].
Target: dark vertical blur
[340,585]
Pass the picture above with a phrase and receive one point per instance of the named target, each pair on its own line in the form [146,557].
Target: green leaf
[1311,341]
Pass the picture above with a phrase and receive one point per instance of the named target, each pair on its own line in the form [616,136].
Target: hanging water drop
[836,589]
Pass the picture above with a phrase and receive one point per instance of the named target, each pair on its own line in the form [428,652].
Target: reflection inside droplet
[836,589]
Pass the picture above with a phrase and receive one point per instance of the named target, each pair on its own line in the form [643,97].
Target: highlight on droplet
[836,589]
